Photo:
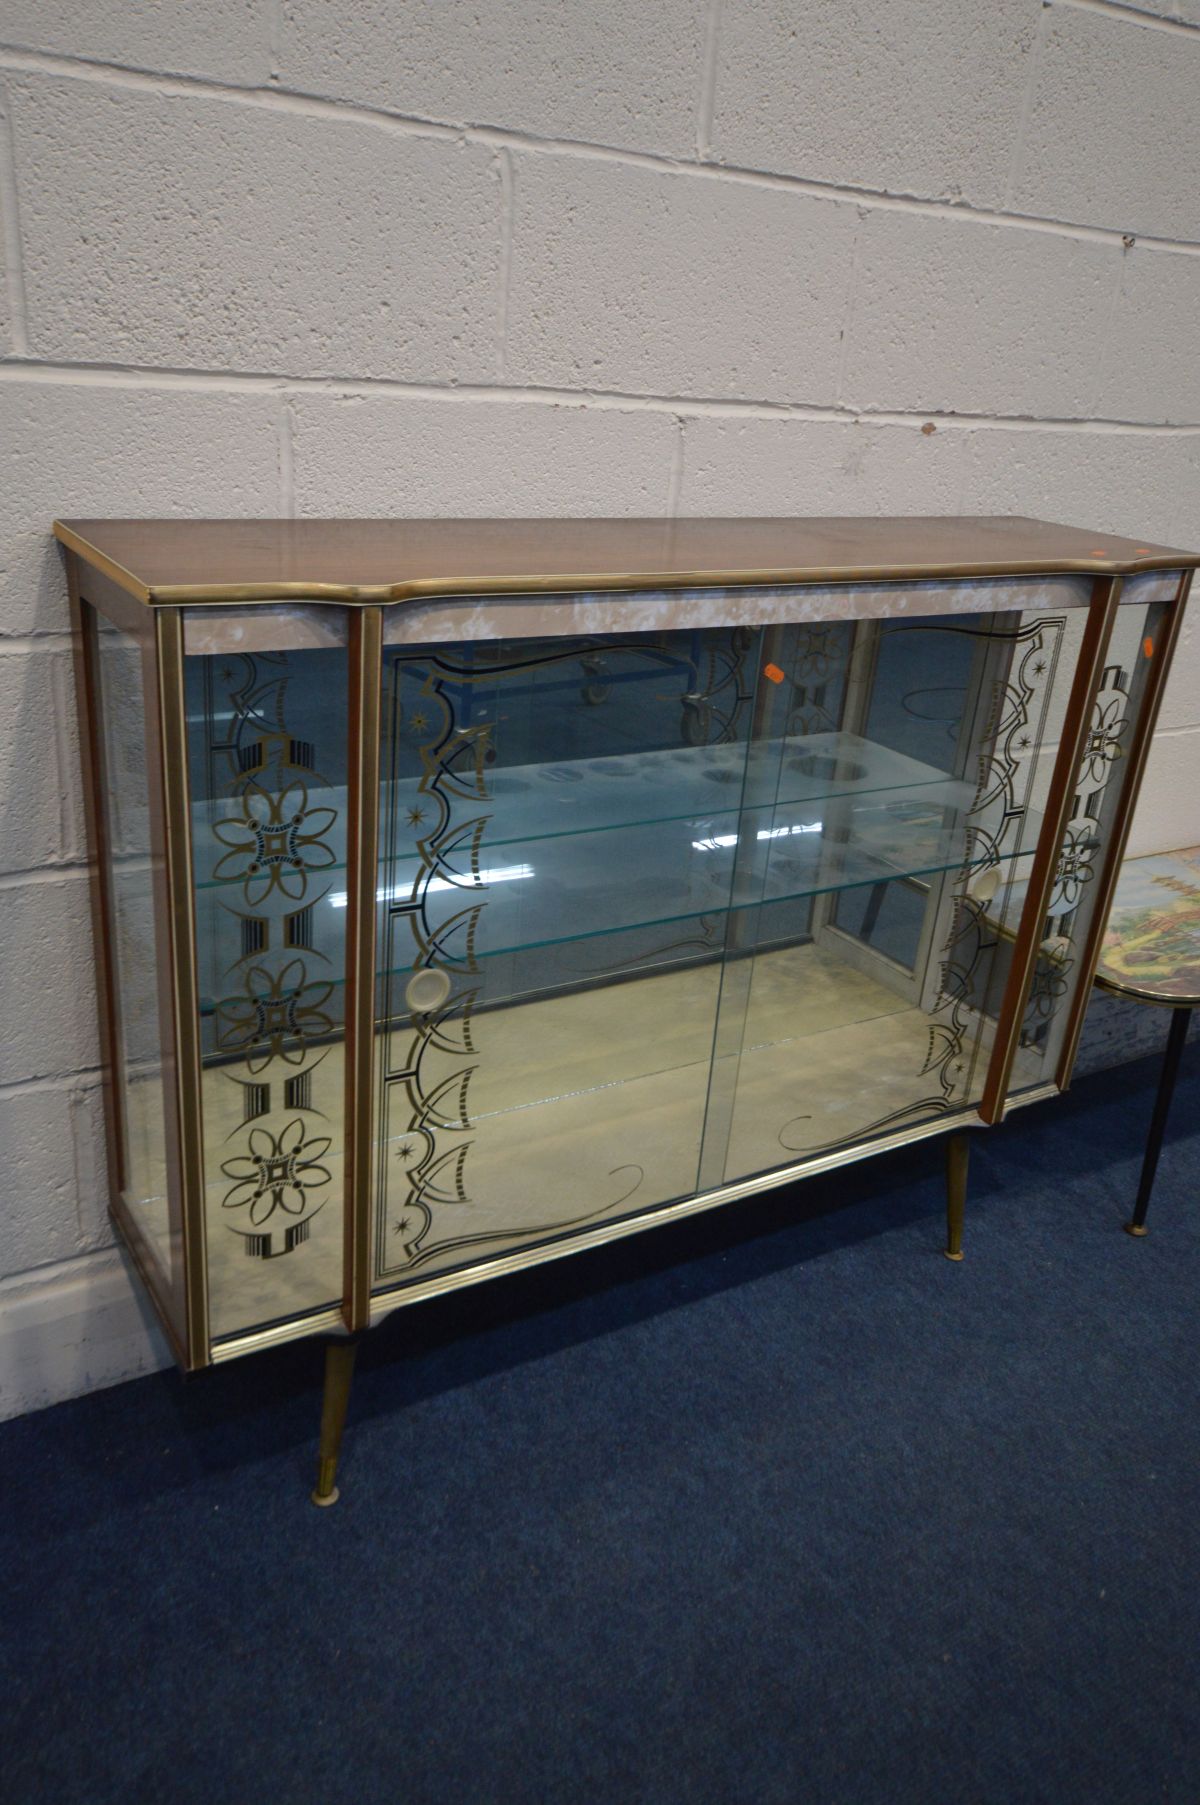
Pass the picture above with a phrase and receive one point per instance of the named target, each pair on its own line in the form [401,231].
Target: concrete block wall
[525,256]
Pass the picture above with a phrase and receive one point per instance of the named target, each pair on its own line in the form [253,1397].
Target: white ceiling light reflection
[764,833]
[496,874]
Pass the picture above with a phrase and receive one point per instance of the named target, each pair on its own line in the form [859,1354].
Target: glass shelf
[530,803]
[548,892]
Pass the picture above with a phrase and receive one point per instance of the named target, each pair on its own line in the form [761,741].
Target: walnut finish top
[170,562]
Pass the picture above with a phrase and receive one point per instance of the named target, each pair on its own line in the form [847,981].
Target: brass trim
[1039,1093]
[83,548]
[373,595]
[293,1328]
[181,925]
[1152,998]
[1088,672]
[176,595]
[362,861]
[1139,752]
[384,1302]
[95,814]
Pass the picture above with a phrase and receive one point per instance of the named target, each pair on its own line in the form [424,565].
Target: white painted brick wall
[504,256]
[1114,120]
[919,97]
[369,454]
[622,73]
[201,233]
[648,282]
[951,316]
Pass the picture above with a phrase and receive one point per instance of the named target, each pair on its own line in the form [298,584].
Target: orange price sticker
[773,672]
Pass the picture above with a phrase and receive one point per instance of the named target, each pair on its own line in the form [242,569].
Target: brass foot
[957,1149]
[339,1370]
[1135,1228]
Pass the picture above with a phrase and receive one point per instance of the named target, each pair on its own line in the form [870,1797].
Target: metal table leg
[1158,1122]
[339,1371]
[958,1148]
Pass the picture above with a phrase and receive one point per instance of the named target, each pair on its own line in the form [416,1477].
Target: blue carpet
[777,1505]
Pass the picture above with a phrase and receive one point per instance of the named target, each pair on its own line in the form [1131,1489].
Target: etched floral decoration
[276,1172]
[818,649]
[1080,845]
[274,843]
[1051,981]
[1104,738]
[276,1009]
[274,1017]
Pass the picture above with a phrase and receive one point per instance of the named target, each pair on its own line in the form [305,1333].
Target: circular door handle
[426,990]
[984,887]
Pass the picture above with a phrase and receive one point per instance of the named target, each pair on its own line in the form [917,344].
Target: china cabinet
[470,892]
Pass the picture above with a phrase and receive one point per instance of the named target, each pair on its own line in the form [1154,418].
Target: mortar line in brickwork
[153,378]
[1125,13]
[10,224]
[707,99]
[278,99]
[274,38]
[48,873]
[14,644]
[1104,338]
[287,461]
[508,203]
[848,307]
[84,1077]
[1033,70]
[675,473]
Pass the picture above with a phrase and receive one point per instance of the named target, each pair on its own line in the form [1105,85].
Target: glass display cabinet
[470,892]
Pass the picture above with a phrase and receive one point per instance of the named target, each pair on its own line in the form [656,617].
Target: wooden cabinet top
[170,562]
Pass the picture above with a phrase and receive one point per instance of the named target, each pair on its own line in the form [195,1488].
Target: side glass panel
[1099,787]
[130,879]
[909,825]
[559,831]
[267,769]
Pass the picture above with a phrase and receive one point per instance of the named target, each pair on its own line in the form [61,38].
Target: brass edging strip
[1088,673]
[362,860]
[108,567]
[1139,753]
[1153,999]
[383,1303]
[386,1302]
[1040,1093]
[95,815]
[373,595]
[177,848]
[294,1328]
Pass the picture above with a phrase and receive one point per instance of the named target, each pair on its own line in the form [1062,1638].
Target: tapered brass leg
[339,1371]
[958,1149]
